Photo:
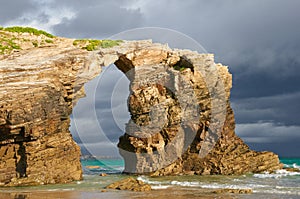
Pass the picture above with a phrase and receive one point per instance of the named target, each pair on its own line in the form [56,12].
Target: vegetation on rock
[7,44]
[110,43]
[179,67]
[10,41]
[93,44]
[34,31]
[49,41]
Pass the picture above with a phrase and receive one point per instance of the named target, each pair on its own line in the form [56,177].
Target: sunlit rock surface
[178,101]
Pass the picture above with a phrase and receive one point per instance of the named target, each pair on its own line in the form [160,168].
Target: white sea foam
[185,183]
[69,189]
[286,165]
[278,174]
[296,166]
[65,189]
[165,184]
[160,186]
[52,189]
[235,183]
[231,186]
[147,181]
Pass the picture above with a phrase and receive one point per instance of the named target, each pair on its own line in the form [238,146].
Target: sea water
[280,184]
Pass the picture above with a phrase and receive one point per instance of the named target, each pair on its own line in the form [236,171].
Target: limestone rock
[130,184]
[39,87]
[181,118]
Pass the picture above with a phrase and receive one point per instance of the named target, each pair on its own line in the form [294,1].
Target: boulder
[130,184]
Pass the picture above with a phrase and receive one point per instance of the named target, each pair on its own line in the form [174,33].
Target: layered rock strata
[181,119]
[170,105]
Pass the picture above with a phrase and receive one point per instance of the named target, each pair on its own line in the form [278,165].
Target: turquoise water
[291,162]
[117,165]
[109,166]
[281,184]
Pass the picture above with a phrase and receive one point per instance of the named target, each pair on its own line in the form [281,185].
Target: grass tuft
[34,31]
[7,45]
[110,43]
[49,41]
[179,67]
[92,44]
[35,43]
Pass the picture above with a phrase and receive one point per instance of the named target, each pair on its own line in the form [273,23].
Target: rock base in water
[130,184]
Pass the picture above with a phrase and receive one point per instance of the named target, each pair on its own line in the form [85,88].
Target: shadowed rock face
[171,113]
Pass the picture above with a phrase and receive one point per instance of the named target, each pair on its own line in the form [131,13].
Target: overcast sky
[258,39]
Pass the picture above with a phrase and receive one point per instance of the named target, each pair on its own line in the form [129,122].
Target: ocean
[281,184]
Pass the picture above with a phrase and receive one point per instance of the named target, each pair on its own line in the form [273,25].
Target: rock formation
[175,105]
[181,119]
[130,184]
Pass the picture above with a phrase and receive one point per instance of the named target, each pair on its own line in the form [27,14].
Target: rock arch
[40,86]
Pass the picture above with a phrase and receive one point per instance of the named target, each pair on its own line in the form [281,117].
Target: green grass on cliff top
[20,29]
[92,44]
[7,44]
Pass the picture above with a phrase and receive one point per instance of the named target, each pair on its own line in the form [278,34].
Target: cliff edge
[42,78]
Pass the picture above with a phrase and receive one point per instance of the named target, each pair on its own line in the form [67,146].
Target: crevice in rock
[183,63]
[21,159]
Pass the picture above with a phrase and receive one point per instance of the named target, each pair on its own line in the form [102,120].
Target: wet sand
[111,194]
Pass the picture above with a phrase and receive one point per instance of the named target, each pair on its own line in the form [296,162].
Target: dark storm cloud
[10,10]
[284,149]
[98,20]
[282,109]
[278,138]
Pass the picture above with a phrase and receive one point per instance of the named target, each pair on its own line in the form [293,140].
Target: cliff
[181,120]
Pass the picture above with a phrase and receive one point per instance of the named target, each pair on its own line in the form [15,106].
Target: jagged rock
[292,169]
[176,101]
[130,184]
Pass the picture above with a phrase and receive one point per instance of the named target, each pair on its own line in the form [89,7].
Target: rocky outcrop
[130,184]
[37,90]
[181,120]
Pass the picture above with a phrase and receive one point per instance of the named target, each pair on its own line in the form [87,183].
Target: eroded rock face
[39,87]
[170,105]
[37,90]
[181,119]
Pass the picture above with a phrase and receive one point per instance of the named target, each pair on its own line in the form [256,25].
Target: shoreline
[281,184]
